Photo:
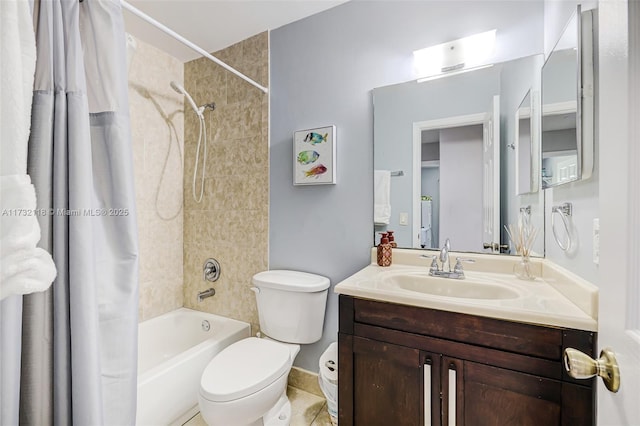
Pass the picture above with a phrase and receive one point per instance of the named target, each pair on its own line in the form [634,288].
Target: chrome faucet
[207,293]
[444,255]
[445,270]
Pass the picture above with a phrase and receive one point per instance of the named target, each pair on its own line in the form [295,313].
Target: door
[491,178]
[619,201]
[387,384]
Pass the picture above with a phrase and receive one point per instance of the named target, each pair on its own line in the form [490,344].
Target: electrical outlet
[404,219]
[596,241]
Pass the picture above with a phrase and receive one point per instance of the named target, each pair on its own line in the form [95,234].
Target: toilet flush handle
[256,290]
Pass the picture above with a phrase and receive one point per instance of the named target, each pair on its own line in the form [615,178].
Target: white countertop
[556,297]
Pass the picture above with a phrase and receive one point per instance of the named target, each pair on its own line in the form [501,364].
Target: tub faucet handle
[211,270]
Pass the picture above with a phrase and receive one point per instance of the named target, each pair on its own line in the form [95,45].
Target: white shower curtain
[79,339]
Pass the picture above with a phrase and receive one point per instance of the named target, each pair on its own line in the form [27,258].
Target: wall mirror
[567,105]
[441,145]
[526,145]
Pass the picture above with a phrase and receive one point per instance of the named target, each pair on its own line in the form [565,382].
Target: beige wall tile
[231,55]
[231,223]
[157,127]
[256,50]
[240,90]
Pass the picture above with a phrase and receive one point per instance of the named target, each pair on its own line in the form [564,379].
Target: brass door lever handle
[581,366]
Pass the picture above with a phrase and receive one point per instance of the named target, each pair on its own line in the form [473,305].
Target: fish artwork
[315,171]
[315,138]
[307,157]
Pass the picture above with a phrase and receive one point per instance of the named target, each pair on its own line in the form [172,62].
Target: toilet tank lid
[291,280]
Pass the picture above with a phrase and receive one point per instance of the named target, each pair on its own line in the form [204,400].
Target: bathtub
[173,350]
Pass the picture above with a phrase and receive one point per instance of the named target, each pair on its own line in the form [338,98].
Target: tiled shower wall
[157,127]
[231,222]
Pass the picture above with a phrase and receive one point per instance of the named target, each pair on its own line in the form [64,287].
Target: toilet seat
[243,368]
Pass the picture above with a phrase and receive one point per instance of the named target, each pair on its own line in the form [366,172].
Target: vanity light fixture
[452,73]
[458,55]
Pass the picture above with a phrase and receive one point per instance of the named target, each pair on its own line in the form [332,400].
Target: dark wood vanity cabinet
[399,364]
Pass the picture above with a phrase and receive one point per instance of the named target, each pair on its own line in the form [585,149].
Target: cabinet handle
[452,395]
[427,392]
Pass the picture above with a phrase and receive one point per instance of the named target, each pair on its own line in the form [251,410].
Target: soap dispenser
[392,239]
[384,250]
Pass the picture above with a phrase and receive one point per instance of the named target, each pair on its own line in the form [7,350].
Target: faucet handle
[458,267]
[434,262]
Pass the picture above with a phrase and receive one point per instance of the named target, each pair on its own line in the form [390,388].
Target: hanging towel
[381,197]
[24,268]
[17,68]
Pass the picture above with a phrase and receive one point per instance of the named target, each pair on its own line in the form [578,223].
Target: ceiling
[215,24]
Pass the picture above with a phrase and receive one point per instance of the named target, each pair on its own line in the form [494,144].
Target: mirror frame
[585,126]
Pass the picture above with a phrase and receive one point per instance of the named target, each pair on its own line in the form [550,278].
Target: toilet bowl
[246,383]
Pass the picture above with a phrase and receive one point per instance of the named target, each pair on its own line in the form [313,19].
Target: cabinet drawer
[487,356]
[521,338]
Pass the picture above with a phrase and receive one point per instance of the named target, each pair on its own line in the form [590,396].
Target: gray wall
[323,69]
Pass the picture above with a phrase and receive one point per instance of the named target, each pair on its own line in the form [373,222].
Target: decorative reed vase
[523,270]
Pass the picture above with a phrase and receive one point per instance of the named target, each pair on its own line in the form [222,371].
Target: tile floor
[307,409]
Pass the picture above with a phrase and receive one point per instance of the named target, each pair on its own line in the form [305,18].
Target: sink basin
[445,287]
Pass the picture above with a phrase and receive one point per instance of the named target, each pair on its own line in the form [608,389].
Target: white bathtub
[173,350]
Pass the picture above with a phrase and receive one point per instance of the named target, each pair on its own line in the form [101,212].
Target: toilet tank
[291,305]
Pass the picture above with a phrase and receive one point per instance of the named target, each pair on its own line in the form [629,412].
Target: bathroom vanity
[411,355]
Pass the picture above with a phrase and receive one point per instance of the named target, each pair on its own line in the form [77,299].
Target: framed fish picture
[314,156]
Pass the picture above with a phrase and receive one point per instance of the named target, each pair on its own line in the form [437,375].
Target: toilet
[246,383]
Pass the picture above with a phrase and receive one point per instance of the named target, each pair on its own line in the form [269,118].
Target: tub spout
[207,293]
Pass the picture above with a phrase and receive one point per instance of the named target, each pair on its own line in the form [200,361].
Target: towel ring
[565,211]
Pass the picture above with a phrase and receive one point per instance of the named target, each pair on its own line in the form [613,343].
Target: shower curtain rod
[189,44]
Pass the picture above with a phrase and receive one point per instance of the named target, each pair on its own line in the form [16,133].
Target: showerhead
[178,88]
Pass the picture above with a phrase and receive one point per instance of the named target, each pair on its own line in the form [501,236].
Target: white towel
[24,268]
[381,197]
[17,68]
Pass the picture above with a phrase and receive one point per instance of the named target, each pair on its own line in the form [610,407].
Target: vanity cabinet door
[491,396]
[387,384]
[402,365]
